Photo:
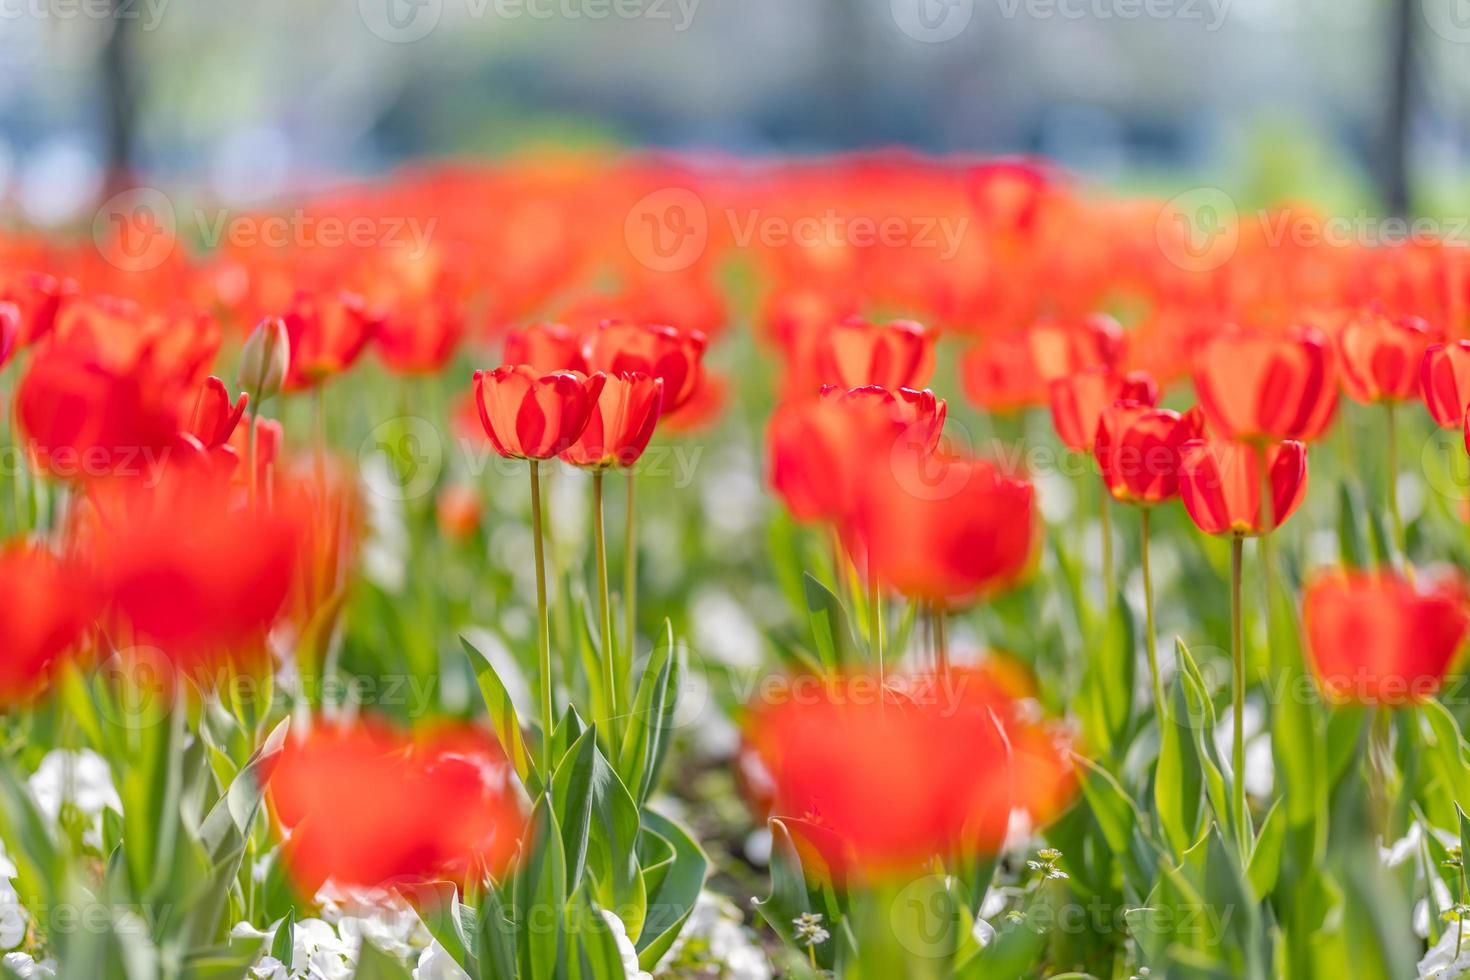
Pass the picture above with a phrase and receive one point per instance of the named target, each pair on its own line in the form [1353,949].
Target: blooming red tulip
[1381,356]
[1060,348]
[371,807]
[620,423]
[37,298]
[944,528]
[855,353]
[547,348]
[421,338]
[659,352]
[1271,385]
[1078,401]
[328,332]
[212,425]
[817,447]
[9,330]
[1220,483]
[191,568]
[1444,379]
[530,416]
[880,783]
[50,604]
[1375,638]
[1138,450]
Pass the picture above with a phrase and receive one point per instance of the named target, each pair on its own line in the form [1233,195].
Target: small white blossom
[22,965]
[626,951]
[81,779]
[435,963]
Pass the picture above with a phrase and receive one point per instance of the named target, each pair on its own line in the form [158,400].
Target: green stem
[609,668]
[1237,660]
[941,639]
[875,623]
[1150,642]
[630,571]
[543,624]
[1400,540]
[1105,499]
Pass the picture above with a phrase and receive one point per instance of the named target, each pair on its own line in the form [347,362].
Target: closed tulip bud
[1220,483]
[265,359]
[1444,379]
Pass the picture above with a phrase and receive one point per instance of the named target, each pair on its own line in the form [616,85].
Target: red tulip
[944,528]
[817,447]
[1271,385]
[1138,450]
[528,416]
[1060,348]
[547,348]
[1375,638]
[371,807]
[881,783]
[50,604]
[659,352]
[1444,379]
[1220,483]
[458,511]
[9,330]
[620,423]
[1078,401]
[1382,355]
[328,332]
[192,569]
[1015,369]
[212,425]
[421,338]
[855,353]
[37,298]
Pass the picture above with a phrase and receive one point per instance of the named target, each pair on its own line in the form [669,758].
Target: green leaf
[1265,859]
[830,629]
[230,962]
[540,896]
[437,906]
[1178,778]
[572,793]
[1106,703]
[592,950]
[671,903]
[374,964]
[495,946]
[651,726]
[283,944]
[503,717]
[1351,542]
[230,819]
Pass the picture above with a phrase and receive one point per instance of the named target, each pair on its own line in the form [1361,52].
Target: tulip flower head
[856,352]
[9,331]
[1267,385]
[1376,638]
[546,348]
[531,416]
[1444,379]
[372,807]
[657,351]
[1138,450]
[328,332]
[1221,484]
[1078,401]
[1381,356]
[621,421]
[51,603]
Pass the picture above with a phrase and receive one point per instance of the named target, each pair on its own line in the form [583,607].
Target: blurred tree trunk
[119,94]
[1394,156]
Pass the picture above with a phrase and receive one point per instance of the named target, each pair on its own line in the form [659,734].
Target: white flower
[12,917]
[719,923]
[269,968]
[1441,963]
[626,951]
[435,963]
[81,779]
[22,965]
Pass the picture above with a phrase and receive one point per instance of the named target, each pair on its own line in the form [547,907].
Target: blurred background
[1353,103]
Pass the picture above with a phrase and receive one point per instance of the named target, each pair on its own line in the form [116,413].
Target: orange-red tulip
[880,783]
[1381,356]
[1220,483]
[1078,401]
[50,604]
[37,297]
[212,425]
[547,348]
[1444,380]
[422,338]
[855,353]
[1270,385]
[1138,450]
[371,807]
[458,511]
[657,351]
[620,423]
[1375,638]
[945,528]
[9,330]
[531,416]
[328,332]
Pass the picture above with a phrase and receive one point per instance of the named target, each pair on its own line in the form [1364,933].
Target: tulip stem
[543,627]
[1393,485]
[609,669]
[941,639]
[1105,500]
[1237,660]
[875,623]
[1150,642]
[630,571]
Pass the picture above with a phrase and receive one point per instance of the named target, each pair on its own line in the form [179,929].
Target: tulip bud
[265,359]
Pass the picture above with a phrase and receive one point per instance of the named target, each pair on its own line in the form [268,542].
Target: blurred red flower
[367,806]
[531,416]
[1220,483]
[457,509]
[212,425]
[1376,638]
[328,331]
[1444,378]
[1264,384]
[1382,355]
[51,603]
[1078,401]
[546,348]
[622,418]
[9,330]
[657,351]
[1138,450]
[854,353]
[421,337]
[37,298]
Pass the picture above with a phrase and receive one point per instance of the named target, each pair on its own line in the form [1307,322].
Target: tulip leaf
[374,964]
[1351,543]
[831,631]
[1107,685]
[540,894]
[1178,778]
[503,717]
[437,906]
[1265,860]
[670,905]
[651,726]
[495,949]
[592,950]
